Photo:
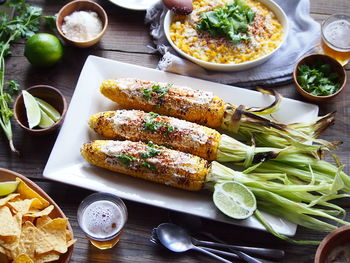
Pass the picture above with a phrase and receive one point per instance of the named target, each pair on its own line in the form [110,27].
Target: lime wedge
[8,187]
[32,108]
[48,109]
[45,120]
[234,200]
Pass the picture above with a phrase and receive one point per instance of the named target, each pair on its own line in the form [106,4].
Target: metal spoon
[194,223]
[155,240]
[176,239]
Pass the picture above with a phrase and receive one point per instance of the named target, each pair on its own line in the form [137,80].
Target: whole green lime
[43,50]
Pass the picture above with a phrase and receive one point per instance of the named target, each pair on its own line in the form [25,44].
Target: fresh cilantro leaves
[152,150]
[230,21]
[151,124]
[318,80]
[160,91]
[125,159]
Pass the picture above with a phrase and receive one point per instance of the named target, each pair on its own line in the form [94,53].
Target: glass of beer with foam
[335,32]
[102,217]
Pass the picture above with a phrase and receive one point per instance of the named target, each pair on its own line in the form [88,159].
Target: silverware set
[176,239]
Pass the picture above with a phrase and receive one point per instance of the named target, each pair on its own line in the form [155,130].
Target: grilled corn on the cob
[150,162]
[204,108]
[135,125]
[182,102]
[189,172]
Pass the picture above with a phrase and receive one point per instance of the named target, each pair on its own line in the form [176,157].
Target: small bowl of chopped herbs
[319,77]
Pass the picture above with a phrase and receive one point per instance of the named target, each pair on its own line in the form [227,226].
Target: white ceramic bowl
[282,18]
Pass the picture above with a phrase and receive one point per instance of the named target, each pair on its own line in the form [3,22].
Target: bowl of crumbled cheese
[82,23]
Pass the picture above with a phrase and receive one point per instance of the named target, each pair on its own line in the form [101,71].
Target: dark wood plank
[126,40]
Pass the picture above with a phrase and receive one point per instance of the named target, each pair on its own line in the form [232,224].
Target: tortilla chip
[5,200]
[42,221]
[71,242]
[47,257]
[23,258]
[21,206]
[52,236]
[26,243]
[9,225]
[38,213]
[28,193]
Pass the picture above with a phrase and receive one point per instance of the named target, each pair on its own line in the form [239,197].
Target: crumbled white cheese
[82,25]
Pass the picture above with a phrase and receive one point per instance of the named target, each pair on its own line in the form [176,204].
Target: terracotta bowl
[331,241]
[311,60]
[82,5]
[7,175]
[47,93]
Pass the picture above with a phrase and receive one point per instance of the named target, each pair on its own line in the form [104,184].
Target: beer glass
[102,216]
[335,32]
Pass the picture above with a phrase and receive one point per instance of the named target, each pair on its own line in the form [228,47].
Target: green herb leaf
[230,21]
[125,159]
[160,91]
[149,166]
[12,87]
[318,80]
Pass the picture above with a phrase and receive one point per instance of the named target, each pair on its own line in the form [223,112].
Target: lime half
[32,108]
[48,109]
[8,187]
[234,200]
[45,120]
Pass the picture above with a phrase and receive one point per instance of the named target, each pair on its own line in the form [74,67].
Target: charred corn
[150,162]
[204,108]
[164,98]
[135,125]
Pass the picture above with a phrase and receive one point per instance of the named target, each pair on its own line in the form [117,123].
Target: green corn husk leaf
[289,198]
[295,212]
[272,134]
[269,228]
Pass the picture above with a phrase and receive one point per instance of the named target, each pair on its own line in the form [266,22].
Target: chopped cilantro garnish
[230,21]
[149,166]
[125,159]
[151,152]
[151,124]
[160,91]
[318,80]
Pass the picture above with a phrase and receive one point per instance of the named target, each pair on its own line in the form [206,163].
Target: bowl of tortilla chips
[33,228]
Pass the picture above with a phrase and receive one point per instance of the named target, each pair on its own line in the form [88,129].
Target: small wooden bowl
[47,93]
[331,241]
[311,60]
[7,175]
[82,5]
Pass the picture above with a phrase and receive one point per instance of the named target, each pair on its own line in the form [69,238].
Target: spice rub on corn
[149,162]
[135,125]
[165,98]
[265,34]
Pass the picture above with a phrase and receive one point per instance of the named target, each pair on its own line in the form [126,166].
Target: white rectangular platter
[66,164]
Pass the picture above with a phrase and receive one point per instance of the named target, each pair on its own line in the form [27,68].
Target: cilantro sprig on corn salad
[258,34]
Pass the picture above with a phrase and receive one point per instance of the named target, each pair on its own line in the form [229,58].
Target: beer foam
[102,219]
[338,33]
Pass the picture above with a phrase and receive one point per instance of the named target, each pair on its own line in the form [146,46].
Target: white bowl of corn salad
[256,31]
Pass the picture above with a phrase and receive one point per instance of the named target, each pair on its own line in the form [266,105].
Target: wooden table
[126,40]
